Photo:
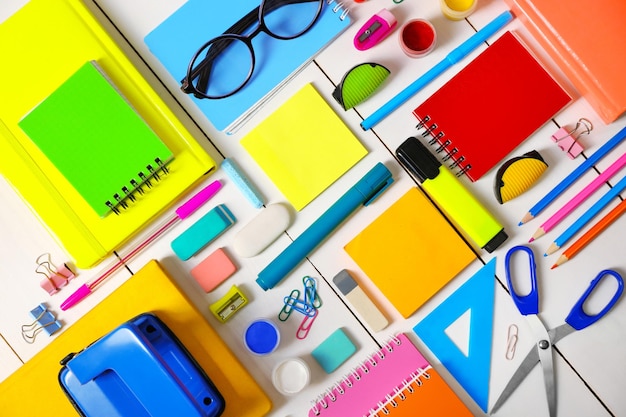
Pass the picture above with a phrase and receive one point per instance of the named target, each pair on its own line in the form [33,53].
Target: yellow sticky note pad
[303,147]
[410,252]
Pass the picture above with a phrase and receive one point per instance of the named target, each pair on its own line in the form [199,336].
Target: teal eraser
[202,232]
[334,351]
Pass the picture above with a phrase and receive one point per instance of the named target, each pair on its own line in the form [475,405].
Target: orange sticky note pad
[410,252]
[213,270]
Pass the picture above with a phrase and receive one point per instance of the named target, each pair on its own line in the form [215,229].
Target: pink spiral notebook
[394,380]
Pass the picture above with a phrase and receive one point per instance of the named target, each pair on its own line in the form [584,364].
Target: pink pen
[181,213]
[579,198]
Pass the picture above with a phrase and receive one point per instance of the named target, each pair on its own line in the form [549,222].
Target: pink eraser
[213,270]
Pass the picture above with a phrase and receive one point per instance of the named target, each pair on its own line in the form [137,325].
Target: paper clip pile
[308,306]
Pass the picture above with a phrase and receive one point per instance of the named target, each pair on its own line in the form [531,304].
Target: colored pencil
[587,216]
[573,176]
[557,217]
[591,234]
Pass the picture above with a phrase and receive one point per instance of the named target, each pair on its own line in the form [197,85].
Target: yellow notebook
[149,290]
[303,147]
[410,252]
[41,46]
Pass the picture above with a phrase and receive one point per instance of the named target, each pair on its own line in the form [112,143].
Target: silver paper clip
[511,342]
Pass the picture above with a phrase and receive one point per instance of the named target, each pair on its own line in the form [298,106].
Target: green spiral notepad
[95,138]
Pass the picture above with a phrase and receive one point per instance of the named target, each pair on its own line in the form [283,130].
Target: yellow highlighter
[453,198]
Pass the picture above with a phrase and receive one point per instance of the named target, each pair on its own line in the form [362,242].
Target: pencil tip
[520,223]
[527,217]
[531,239]
[554,266]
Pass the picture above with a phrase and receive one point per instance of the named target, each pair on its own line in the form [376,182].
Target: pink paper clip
[568,140]
[305,325]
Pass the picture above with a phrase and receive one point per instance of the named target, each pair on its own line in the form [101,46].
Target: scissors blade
[529,362]
[560,332]
[544,352]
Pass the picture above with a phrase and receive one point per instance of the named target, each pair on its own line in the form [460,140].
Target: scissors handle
[577,318]
[529,303]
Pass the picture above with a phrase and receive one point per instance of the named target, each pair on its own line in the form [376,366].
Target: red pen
[181,213]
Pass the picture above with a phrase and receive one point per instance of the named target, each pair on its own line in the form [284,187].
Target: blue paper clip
[311,296]
[300,306]
[285,312]
[44,321]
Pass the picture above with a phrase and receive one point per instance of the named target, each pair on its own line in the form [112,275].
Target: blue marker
[362,193]
[452,58]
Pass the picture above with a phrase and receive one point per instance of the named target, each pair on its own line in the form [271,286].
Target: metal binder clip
[44,321]
[55,278]
[568,140]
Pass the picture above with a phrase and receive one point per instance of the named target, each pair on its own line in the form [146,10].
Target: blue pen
[587,216]
[573,176]
[452,58]
[362,193]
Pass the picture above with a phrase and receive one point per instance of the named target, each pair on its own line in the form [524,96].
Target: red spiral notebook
[491,106]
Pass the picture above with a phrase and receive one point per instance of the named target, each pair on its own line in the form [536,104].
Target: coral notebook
[410,252]
[491,106]
[592,58]
[149,290]
[396,381]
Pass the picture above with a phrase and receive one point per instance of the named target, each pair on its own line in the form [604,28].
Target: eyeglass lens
[226,63]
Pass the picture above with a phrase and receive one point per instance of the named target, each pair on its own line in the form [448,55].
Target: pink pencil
[579,198]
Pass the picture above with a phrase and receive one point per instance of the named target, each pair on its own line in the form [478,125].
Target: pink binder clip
[55,278]
[568,140]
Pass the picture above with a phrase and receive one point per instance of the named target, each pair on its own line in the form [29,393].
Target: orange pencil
[591,234]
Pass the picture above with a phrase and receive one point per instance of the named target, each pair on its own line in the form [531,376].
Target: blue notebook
[175,41]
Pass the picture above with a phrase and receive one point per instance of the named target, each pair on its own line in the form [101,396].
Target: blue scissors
[577,319]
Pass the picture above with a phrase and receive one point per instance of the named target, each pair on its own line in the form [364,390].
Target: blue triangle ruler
[472,371]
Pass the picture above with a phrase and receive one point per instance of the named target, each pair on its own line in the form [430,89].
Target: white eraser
[261,231]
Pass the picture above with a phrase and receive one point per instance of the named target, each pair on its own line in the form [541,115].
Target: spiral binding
[443,144]
[401,393]
[340,5]
[353,377]
[128,194]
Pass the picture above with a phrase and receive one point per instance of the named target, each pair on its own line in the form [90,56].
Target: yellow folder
[33,390]
[41,46]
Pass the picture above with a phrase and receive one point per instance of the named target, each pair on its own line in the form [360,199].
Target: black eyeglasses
[223,65]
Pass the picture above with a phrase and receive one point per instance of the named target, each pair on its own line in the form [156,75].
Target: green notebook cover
[96,140]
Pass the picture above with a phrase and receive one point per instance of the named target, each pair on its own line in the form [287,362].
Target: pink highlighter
[377,28]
